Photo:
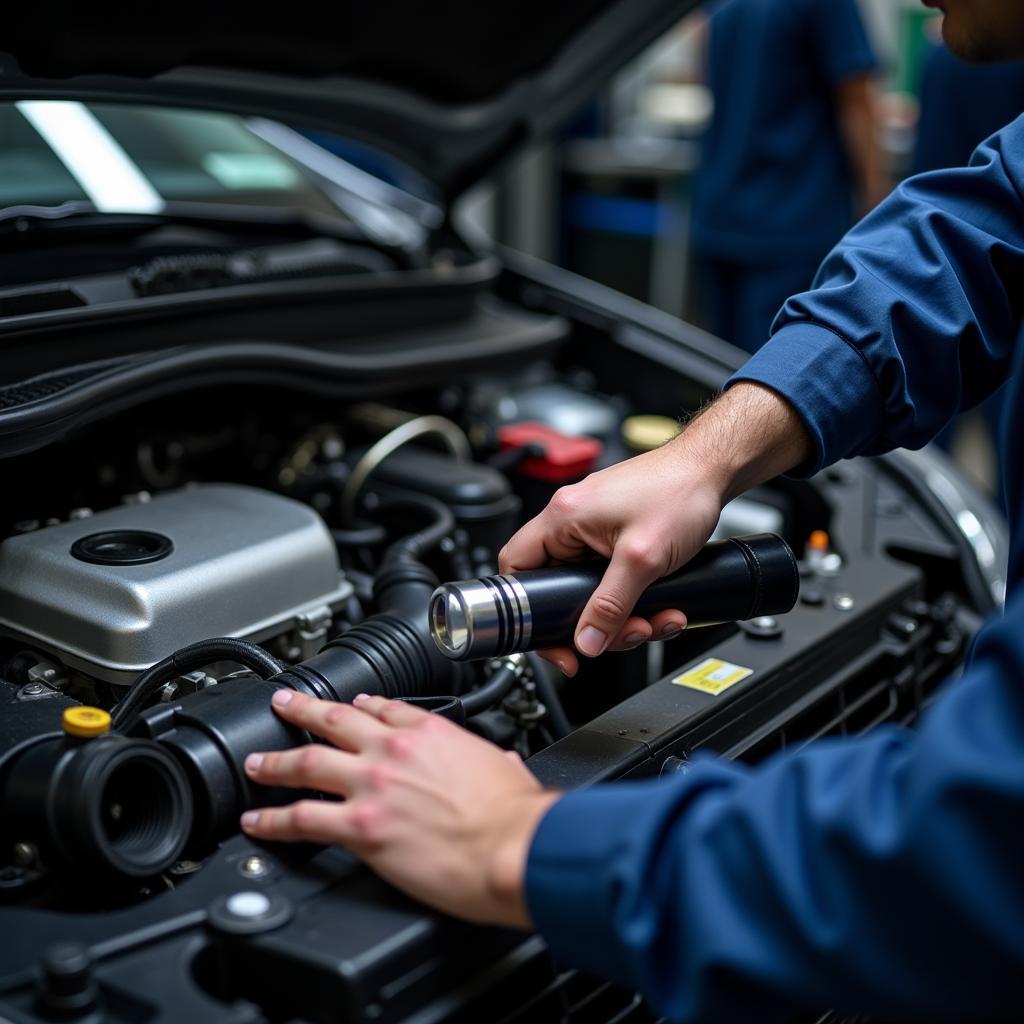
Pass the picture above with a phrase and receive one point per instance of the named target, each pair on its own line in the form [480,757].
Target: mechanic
[790,152]
[879,874]
[961,105]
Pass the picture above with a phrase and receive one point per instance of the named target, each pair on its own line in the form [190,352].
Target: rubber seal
[122,547]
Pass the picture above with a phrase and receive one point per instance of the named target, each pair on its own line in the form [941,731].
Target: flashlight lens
[451,625]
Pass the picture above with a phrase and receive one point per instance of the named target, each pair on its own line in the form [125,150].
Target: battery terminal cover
[564,458]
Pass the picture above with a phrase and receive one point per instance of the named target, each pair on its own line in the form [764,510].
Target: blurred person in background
[962,105]
[791,156]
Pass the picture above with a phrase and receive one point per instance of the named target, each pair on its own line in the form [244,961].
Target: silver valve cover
[115,592]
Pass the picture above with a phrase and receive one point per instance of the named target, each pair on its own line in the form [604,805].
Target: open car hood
[450,89]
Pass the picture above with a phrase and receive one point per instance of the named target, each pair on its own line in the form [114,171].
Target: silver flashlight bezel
[493,618]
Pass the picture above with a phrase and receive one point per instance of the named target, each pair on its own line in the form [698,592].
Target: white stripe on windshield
[107,175]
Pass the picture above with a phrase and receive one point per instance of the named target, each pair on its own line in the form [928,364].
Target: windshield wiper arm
[82,215]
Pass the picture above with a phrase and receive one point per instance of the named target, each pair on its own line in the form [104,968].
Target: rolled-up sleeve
[913,317]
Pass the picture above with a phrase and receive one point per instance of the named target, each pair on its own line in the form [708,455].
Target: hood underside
[450,89]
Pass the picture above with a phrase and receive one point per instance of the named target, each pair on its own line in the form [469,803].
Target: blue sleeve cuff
[830,385]
[571,876]
[591,863]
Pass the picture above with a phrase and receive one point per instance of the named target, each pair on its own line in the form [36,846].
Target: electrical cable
[188,659]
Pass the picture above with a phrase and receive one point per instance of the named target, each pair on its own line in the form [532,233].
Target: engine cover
[115,592]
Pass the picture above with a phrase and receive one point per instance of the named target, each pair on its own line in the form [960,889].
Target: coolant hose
[416,545]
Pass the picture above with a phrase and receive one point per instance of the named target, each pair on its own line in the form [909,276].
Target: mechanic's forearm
[746,436]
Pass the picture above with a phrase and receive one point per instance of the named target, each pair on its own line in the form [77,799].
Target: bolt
[765,622]
[831,564]
[25,854]
[254,867]
[844,602]
[66,986]
[33,689]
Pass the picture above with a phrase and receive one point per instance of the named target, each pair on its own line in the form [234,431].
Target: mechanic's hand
[648,515]
[435,810]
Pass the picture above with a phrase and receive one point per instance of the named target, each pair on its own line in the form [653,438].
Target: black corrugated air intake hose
[390,653]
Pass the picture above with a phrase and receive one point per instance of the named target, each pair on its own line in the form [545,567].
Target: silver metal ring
[437,426]
[481,618]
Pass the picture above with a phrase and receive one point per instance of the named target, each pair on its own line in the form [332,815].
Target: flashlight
[727,581]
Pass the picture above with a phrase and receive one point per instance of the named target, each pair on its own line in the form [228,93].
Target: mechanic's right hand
[649,516]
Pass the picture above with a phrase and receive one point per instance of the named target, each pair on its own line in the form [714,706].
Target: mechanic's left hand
[435,810]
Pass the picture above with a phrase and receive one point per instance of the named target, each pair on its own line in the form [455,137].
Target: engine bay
[170,566]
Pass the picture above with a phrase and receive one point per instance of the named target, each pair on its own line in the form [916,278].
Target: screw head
[844,602]
[33,689]
[254,867]
[25,854]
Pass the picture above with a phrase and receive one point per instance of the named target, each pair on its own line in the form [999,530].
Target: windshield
[135,159]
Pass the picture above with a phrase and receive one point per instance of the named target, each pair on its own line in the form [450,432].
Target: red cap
[565,458]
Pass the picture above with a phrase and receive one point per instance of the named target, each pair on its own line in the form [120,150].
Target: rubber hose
[557,720]
[415,545]
[494,690]
[360,536]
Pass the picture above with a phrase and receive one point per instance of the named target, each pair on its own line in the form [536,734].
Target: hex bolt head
[254,867]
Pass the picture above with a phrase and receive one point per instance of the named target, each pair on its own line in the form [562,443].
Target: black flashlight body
[726,581]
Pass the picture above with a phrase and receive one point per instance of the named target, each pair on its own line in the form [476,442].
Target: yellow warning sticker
[713,676]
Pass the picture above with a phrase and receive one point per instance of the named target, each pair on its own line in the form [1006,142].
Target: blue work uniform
[884,873]
[961,105]
[775,189]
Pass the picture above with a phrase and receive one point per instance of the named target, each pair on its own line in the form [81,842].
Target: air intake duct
[111,805]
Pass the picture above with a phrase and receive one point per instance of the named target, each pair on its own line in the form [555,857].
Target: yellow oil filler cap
[645,433]
[85,722]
